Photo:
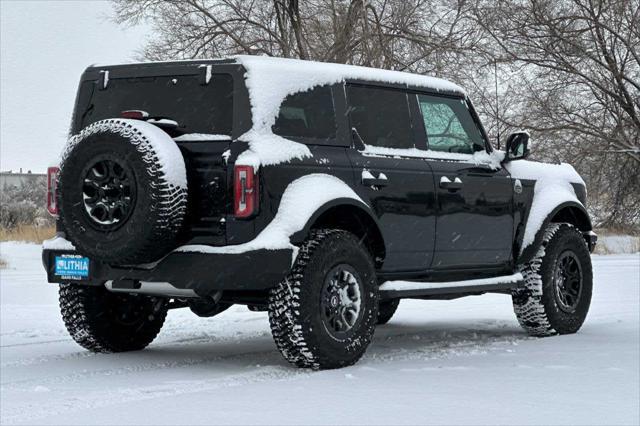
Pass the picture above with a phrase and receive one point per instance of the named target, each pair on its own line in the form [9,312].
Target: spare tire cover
[122,191]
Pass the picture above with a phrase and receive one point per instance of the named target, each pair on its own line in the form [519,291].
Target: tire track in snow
[182,341]
[103,398]
[389,347]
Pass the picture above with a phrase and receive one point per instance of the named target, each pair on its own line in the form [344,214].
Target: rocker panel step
[395,289]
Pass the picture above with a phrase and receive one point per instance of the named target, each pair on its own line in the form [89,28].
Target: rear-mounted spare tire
[122,191]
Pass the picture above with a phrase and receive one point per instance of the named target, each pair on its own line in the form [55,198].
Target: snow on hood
[524,169]
[552,188]
[302,198]
[270,80]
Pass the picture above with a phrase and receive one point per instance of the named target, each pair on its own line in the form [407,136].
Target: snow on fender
[552,188]
[122,191]
[300,200]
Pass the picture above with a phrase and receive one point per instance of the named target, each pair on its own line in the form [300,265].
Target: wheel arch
[568,212]
[349,215]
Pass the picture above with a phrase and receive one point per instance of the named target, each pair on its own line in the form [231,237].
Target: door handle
[368,179]
[446,183]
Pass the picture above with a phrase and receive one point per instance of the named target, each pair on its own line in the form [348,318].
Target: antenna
[495,74]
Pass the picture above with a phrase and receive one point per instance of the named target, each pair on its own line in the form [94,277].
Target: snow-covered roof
[320,72]
[270,80]
[308,74]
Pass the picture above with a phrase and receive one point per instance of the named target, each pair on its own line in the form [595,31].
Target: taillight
[52,179]
[245,191]
[135,114]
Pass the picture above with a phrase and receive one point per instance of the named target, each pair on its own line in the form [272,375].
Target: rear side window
[449,125]
[307,116]
[380,116]
[197,108]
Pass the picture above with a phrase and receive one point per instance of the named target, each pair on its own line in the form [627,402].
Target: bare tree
[579,88]
[568,70]
[393,34]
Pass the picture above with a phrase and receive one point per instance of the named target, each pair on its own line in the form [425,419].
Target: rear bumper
[204,273]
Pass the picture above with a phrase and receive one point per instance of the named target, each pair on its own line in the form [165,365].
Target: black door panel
[400,189]
[404,205]
[474,225]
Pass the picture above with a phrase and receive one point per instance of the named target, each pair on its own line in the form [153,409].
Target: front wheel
[558,283]
[323,314]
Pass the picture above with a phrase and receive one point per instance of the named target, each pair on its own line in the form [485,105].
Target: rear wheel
[558,283]
[104,321]
[323,314]
[386,310]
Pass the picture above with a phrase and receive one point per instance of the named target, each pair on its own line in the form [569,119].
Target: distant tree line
[567,70]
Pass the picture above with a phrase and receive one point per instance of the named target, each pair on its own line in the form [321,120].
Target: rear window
[380,116]
[197,108]
[307,117]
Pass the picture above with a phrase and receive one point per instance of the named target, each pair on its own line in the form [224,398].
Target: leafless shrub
[24,205]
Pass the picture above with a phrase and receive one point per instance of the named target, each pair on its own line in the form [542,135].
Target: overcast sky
[45,46]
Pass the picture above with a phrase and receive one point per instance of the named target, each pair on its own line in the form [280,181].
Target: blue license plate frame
[71,267]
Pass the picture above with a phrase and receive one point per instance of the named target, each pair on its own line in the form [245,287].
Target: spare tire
[122,191]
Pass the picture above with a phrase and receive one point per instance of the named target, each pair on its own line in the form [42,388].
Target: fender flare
[568,211]
[337,203]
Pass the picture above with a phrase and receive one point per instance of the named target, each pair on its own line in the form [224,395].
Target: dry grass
[31,234]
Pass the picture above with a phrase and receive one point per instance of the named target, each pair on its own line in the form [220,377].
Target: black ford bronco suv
[320,193]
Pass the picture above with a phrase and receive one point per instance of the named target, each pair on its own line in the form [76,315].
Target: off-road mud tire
[535,304]
[94,318]
[155,216]
[295,304]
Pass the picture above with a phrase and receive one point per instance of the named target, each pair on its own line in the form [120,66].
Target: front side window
[380,116]
[307,116]
[449,125]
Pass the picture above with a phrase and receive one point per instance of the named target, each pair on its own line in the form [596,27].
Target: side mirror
[517,146]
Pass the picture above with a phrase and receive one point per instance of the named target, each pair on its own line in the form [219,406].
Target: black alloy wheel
[340,301]
[567,280]
[108,192]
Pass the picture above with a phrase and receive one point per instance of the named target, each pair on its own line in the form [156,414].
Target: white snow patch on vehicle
[163,121]
[197,137]
[266,149]
[300,201]
[270,80]
[366,174]
[147,138]
[492,159]
[415,285]
[58,243]
[524,169]
[552,188]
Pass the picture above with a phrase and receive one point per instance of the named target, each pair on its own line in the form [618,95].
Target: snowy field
[459,362]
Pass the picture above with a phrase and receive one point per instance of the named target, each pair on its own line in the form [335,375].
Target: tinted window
[307,116]
[381,116]
[197,108]
[449,125]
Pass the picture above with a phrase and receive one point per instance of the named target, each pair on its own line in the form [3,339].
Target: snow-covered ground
[458,362]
